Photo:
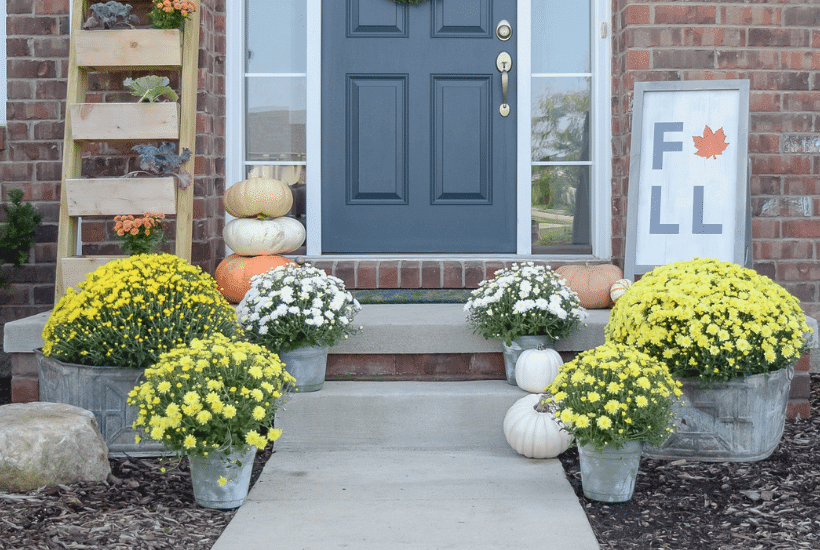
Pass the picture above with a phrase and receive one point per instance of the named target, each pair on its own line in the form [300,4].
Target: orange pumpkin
[233,274]
[591,282]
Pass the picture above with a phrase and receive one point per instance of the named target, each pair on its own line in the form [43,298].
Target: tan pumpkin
[592,283]
[533,433]
[254,237]
[258,197]
[233,274]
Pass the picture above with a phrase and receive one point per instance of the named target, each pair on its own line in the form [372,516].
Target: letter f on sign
[660,146]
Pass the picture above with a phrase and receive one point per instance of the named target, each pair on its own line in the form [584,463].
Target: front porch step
[398,415]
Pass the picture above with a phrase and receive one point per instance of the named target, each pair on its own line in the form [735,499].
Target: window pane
[560,208]
[276,36]
[560,119]
[560,36]
[275,121]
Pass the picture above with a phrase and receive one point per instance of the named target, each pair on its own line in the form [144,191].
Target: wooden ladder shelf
[123,50]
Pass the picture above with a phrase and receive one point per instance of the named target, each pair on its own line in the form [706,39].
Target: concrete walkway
[395,465]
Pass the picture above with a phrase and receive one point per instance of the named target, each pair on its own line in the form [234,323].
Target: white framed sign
[688,174]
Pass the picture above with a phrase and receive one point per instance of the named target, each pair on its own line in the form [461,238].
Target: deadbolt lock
[503,31]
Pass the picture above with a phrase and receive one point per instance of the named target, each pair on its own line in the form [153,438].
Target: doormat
[413,296]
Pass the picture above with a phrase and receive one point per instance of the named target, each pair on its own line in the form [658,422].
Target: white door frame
[601,121]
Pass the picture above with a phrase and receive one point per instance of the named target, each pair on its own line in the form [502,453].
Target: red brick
[389,274]
[801,186]
[453,275]
[346,271]
[786,250]
[25,389]
[798,409]
[637,15]
[798,271]
[801,229]
[488,364]
[672,15]
[473,274]
[683,59]
[801,101]
[23,364]
[327,267]
[804,363]
[637,59]
[366,275]
[349,365]
[410,274]
[431,276]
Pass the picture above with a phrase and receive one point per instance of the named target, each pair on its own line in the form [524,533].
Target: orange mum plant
[140,235]
[170,14]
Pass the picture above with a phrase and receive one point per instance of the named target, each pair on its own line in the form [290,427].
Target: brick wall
[37,51]
[776,45]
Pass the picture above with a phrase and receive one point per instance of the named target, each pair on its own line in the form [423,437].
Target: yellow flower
[229,411]
[222,481]
[190,441]
[612,406]
[604,422]
[259,413]
[641,401]
[582,421]
[274,434]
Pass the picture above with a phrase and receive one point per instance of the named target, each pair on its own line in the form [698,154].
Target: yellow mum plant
[614,394]
[129,311]
[213,394]
[710,319]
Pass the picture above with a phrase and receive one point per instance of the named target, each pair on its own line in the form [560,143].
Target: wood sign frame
[688,174]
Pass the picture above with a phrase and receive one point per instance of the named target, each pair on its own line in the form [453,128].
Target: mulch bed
[770,504]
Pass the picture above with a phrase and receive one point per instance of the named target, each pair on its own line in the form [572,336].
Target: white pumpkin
[532,433]
[618,289]
[253,237]
[537,368]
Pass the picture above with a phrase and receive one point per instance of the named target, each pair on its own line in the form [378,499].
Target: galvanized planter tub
[737,421]
[104,392]
[519,345]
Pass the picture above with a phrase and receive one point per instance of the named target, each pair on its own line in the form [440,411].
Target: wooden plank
[187,132]
[124,121]
[75,268]
[129,48]
[115,196]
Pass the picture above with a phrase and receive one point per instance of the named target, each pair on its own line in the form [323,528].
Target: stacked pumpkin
[530,428]
[258,235]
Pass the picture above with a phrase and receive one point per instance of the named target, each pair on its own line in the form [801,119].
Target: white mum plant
[295,306]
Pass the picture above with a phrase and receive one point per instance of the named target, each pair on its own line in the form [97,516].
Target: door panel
[415,155]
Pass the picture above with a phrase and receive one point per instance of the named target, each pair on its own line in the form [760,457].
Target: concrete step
[398,415]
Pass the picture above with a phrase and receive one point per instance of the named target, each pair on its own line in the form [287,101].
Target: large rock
[49,443]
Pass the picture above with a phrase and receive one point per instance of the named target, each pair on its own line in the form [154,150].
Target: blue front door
[416,155]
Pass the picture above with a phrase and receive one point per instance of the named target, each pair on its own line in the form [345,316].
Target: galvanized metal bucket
[511,353]
[308,365]
[104,392]
[609,475]
[236,469]
[737,421]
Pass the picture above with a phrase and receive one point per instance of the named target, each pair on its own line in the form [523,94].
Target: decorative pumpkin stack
[592,283]
[260,232]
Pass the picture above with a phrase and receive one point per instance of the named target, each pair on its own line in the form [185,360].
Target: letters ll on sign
[688,187]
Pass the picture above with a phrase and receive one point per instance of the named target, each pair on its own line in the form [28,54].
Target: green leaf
[150,88]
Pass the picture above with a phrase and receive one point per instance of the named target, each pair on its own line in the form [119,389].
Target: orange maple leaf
[711,144]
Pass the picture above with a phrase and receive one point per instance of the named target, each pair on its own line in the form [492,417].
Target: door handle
[504,63]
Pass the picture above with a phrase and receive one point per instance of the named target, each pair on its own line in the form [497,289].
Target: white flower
[294,310]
